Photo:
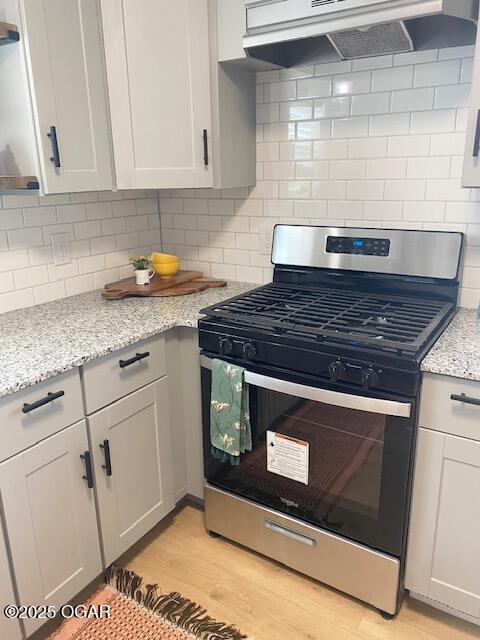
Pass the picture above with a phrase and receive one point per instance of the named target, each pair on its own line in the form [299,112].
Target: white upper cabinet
[53,97]
[158,69]
[471,165]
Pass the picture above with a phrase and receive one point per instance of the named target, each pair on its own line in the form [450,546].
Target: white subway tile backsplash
[295,189]
[329,189]
[280,91]
[297,72]
[329,150]
[315,170]
[447,144]
[433,121]
[294,110]
[348,169]
[437,73]
[269,112]
[387,168]
[331,107]
[328,68]
[456,52]
[365,190]
[424,211]
[350,83]
[379,62]
[452,96]
[23,238]
[408,146]
[369,104]
[404,189]
[415,57]
[429,167]
[278,170]
[449,190]
[368,148]
[314,87]
[355,127]
[467,70]
[299,150]
[392,79]
[390,124]
[313,129]
[413,100]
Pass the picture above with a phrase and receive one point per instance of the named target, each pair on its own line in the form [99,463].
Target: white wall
[105,228]
[377,142]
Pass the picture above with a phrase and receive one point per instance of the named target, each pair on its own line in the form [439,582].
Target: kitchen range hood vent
[295,32]
[377,40]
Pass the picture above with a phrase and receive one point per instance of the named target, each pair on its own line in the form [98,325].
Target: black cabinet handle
[136,358]
[50,397]
[463,398]
[55,159]
[205,147]
[88,469]
[476,141]
[105,446]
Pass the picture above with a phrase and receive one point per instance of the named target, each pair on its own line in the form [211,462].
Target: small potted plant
[143,269]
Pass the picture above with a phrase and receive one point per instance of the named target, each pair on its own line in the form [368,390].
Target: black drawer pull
[55,159]
[205,147]
[105,446]
[88,469]
[50,397]
[136,358]
[463,398]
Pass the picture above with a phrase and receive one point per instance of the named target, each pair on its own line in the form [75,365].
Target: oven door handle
[336,398]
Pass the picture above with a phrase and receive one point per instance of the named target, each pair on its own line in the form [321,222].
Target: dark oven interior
[358,465]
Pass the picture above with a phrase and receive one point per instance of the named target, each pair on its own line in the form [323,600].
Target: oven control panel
[358,246]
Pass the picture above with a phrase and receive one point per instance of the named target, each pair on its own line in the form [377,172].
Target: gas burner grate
[383,321]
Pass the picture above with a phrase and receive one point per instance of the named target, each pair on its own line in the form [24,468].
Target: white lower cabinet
[9,629]
[443,561]
[50,519]
[131,447]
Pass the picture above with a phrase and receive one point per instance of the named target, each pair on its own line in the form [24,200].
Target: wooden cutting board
[184,283]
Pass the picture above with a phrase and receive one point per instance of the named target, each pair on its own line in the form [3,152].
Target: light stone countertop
[457,352]
[39,342]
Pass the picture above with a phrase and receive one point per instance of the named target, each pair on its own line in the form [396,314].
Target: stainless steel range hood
[294,32]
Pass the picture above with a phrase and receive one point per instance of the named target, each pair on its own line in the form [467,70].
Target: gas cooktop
[399,323]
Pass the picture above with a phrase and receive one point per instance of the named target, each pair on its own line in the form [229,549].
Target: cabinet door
[471,165]
[8,628]
[50,520]
[132,452]
[157,54]
[69,92]
[443,561]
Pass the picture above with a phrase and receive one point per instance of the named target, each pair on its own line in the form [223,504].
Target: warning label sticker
[287,456]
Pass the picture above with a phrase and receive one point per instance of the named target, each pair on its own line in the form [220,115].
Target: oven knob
[369,378]
[226,346]
[336,370]
[248,351]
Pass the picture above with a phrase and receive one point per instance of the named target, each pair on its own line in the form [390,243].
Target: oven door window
[350,466]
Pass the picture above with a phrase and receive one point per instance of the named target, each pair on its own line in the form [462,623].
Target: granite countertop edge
[457,351]
[40,342]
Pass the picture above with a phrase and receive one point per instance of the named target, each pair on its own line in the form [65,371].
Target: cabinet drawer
[118,374]
[441,412]
[26,420]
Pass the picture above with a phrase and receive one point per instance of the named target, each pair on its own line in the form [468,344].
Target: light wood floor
[265,599]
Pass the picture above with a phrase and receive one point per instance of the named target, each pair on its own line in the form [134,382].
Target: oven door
[324,453]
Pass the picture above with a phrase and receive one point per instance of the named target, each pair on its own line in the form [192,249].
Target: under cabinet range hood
[294,32]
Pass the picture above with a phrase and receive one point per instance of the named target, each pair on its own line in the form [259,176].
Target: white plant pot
[143,276]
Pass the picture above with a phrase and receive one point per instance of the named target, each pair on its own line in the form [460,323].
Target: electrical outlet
[60,248]
[266,239]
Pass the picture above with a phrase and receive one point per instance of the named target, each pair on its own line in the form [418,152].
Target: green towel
[230,432]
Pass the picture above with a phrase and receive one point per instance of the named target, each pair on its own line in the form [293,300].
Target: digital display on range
[359,246]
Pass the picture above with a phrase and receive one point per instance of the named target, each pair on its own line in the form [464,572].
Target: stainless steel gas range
[332,350]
